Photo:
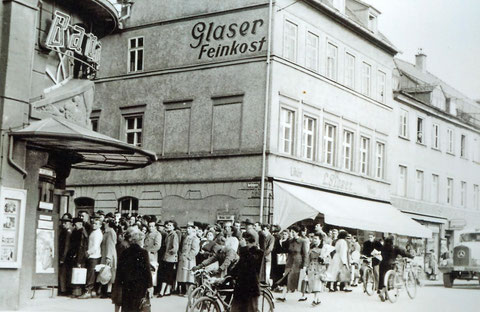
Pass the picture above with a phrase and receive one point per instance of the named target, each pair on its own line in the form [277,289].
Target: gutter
[10,158]
[267,101]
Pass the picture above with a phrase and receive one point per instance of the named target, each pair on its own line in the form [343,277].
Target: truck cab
[465,263]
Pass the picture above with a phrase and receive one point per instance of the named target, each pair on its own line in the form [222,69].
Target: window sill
[464,158]
[450,153]
[404,138]
[436,149]
[422,144]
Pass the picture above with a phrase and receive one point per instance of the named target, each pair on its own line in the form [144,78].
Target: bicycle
[401,276]
[219,300]
[369,284]
[201,287]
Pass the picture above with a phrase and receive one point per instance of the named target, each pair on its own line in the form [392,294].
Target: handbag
[79,276]
[145,305]
[282,259]
[302,280]
[105,275]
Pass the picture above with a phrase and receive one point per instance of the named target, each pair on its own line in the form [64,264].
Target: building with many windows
[436,153]
[249,104]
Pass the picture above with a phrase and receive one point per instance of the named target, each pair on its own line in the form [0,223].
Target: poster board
[12,222]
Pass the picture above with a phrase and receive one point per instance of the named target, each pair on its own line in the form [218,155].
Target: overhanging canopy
[88,149]
[294,203]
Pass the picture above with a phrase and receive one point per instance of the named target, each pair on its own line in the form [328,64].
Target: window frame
[382,162]
[476,197]
[366,79]
[450,141]
[135,130]
[351,56]
[316,49]
[449,192]
[312,133]
[326,139]
[403,123]
[463,194]
[351,154]
[381,92]
[463,146]
[365,152]
[402,187]
[334,73]
[436,136]
[295,43]
[420,139]
[136,49]
[292,131]
[436,187]
[419,185]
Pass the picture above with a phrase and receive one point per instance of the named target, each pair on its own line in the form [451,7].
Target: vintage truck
[465,263]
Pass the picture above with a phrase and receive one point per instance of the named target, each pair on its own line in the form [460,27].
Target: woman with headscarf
[133,272]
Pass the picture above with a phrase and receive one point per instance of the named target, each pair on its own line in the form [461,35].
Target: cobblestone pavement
[432,297]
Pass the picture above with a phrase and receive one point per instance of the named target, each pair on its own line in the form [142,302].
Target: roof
[84,148]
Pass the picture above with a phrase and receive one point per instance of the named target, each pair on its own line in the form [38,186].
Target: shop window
[135,54]
[128,205]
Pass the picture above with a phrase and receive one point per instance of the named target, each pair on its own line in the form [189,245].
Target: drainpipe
[267,100]
[10,158]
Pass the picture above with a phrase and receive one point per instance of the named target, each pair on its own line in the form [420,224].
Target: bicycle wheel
[369,282]
[193,296]
[205,304]
[411,285]
[391,288]
[265,302]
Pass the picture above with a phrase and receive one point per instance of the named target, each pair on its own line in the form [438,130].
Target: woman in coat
[170,259]
[339,267]
[186,258]
[133,272]
[316,268]
[109,252]
[279,256]
[296,260]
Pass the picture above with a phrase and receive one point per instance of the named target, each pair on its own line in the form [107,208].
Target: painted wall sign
[73,41]
[216,40]
[333,180]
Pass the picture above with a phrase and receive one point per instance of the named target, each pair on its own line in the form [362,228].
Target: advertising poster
[45,251]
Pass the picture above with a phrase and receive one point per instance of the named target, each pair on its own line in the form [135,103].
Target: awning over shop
[293,203]
[88,149]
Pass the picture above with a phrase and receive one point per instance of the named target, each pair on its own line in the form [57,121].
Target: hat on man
[190,224]
[66,217]
[75,220]
[248,222]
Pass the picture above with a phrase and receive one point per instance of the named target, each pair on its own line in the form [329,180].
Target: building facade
[436,153]
[50,51]
[228,93]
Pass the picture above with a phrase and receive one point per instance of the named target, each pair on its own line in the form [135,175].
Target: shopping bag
[105,275]
[345,274]
[281,258]
[145,305]
[302,278]
[79,276]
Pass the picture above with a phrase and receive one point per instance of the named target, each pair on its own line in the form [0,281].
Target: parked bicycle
[402,276]
[369,284]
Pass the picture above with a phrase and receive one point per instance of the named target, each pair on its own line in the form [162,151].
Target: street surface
[464,297]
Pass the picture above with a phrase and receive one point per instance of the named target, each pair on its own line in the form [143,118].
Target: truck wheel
[448,280]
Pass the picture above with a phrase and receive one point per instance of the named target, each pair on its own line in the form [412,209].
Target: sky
[448,31]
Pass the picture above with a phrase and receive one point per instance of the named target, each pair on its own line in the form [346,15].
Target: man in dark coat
[372,248]
[266,245]
[77,254]
[246,274]
[64,267]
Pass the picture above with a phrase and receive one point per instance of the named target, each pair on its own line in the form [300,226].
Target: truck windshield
[470,237]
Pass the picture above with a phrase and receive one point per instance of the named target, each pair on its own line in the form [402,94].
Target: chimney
[421,61]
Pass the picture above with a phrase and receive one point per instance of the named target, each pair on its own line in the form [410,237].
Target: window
[366,79]
[463,194]
[380,158]
[403,123]
[350,70]
[450,141]
[331,61]
[476,197]
[133,130]
[435,136]
[311,60]
[290,41]
[420,138]
[329,144]
[364,155]
[476,150]
[135,54]
[419,185]
[463,146]
[402,181]
[450,191]
[128,205]
[348,150]
[287,126]
[435,188]
[308,138]
[382,79]
[94,122]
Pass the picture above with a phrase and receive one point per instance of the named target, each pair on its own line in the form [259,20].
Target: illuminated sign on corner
[73,41]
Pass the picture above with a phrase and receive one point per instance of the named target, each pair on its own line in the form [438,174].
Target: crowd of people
[148,258]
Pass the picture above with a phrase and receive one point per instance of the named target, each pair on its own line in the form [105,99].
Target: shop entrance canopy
[88,149]
[294,203]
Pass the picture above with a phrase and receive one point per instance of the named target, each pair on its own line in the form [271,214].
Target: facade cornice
[353,26]
[411,101]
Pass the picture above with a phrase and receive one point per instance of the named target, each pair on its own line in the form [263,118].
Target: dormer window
[372,22]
